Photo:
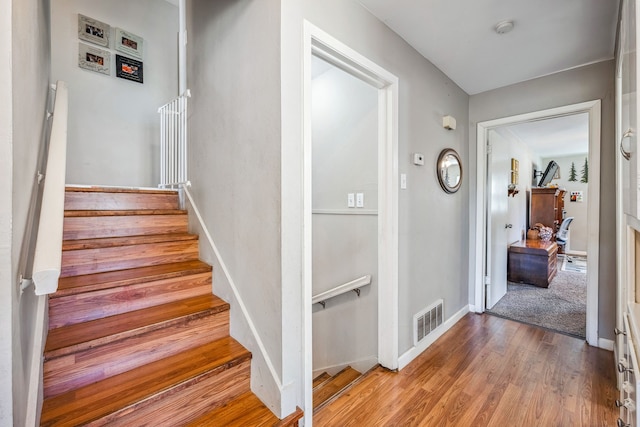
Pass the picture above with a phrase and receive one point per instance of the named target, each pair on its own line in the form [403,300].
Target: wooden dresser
[533,262]
[547,207]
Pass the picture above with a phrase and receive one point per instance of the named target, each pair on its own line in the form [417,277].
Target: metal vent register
[427,321]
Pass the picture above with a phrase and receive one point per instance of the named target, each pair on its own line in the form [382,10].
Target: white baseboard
[473,309]
[415,351]
[606,344]
[576,253]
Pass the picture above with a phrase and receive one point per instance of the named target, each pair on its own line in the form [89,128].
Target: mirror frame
[443,154]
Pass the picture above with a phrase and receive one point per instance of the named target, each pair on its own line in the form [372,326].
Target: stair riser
[88,366]
[89,261]
[94,227]
[83,307]
[103,201]
[182,406]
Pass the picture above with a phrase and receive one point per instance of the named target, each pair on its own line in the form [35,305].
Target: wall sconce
[513,186]
[449,123]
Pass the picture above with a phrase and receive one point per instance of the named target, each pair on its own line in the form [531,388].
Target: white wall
[113,123]
[517,204]
[587,83]
[578,210]
[235,136]
[30,79]
[6,173]
[345,243]
[433,238]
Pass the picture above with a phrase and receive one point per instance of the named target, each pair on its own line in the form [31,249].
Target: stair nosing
[236,358]
[319,386]
[217,306]
[123,241]
[88,213]
[107,189]
[64,291]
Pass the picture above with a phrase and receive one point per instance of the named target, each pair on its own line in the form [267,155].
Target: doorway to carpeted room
[561,307]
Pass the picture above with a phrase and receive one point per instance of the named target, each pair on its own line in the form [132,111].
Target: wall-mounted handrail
[47,260]
[353,285]
[173,142]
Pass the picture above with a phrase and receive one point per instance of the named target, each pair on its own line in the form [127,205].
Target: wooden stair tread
[333,386]
[72,338]
[105,189]
[320,379]
[168,375]
[110,242]
[92,282]
[246,410]
[131,212]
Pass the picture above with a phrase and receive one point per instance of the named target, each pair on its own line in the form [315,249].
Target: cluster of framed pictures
[98,59]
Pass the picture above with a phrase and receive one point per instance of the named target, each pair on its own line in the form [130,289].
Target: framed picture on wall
[94,59]
[129,43]
[93,31]
[130,69]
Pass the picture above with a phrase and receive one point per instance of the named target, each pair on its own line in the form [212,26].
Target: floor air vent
[427,321]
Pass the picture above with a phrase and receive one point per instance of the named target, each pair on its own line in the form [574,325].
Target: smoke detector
[503,27]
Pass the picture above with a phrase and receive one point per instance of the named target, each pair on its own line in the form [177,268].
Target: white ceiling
[458,36]
[556,137]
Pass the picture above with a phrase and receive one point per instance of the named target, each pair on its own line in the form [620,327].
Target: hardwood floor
[487,371]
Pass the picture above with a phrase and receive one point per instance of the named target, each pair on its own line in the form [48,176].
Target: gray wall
[114,126]
[345,243]
[29,79]
[582,84]
[234,158]
[432,225]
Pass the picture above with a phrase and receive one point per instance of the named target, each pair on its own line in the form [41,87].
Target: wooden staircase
[327,387]
[136,336]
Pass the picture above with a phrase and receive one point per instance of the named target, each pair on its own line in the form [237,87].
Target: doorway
[520,156]
[344,173]
[319,44]
[482,264]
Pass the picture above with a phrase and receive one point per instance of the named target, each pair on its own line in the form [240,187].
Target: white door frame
[478,262]
[321,44]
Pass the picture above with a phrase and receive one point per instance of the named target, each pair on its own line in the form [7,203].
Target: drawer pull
[622,367]
[622,423]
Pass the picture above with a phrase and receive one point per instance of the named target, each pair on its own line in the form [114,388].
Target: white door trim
[319,43]
[477,262]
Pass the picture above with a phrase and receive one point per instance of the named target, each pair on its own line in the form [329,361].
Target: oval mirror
[449,170]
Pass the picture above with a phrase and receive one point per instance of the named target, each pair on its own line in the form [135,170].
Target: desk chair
[561,235]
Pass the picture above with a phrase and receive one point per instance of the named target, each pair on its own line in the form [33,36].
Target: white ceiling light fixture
[503,27]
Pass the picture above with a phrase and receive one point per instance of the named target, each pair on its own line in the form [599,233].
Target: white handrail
[353,285]
[48,253]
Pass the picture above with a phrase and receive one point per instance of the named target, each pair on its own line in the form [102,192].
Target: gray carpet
[560,307]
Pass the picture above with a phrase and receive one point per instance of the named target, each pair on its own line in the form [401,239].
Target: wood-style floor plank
[97,227]
[486,371]
[135,387]
[120,200]
[93,282]
[68,339]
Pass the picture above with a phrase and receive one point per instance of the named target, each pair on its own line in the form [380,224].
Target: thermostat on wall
[418,159]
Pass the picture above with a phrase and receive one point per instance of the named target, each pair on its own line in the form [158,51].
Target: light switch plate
[351,200]
[359,200]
